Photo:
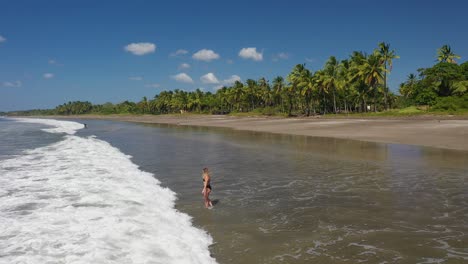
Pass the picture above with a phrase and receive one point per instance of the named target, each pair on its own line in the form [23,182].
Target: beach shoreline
[430,131]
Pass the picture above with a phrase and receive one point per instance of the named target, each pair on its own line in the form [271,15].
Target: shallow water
[295,199]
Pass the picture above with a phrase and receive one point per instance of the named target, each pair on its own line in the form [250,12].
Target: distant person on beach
[206,188]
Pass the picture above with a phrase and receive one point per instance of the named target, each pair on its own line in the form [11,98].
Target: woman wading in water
[206,188]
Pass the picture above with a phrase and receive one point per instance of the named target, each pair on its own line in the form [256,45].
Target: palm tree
[356,61]
[278,86]
[294,78]
[238,93]
[408,88]
[196,100]
[332,78]
[346,81]
[445,54]
[143,105]
[307,89]
[251,92]
[321,88]
[265,93]
[387,56]
[372,71]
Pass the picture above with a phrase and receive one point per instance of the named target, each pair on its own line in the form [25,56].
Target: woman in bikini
[206,188]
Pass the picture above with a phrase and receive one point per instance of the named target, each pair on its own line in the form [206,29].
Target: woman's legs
[207,198]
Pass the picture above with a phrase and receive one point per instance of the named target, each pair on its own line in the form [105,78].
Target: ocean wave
[58,126]
[81,200]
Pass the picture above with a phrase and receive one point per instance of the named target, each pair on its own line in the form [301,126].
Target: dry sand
[449,134]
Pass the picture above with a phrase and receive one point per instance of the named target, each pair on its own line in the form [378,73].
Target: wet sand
[426,131]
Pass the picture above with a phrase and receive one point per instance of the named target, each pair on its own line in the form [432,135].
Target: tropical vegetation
[357,84]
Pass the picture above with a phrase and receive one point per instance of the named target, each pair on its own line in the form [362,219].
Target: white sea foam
[61,126]
[83,201]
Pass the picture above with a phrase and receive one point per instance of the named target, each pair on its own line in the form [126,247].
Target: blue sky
[52,52]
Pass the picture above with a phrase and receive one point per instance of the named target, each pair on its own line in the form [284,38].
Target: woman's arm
[205,183]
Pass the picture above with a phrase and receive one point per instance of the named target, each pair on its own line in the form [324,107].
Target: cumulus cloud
[178,52]
[48,75]
[2,39]
[228,82]
[209,78]
[232,80]
[141,48]
[184,66]
[14,84]
[251,53]
[136,78]
[205,55]
[182,77]
[152,85]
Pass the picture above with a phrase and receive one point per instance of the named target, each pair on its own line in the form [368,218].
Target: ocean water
[77,199]
[124,193]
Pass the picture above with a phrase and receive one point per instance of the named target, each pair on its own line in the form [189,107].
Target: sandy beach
[432,132]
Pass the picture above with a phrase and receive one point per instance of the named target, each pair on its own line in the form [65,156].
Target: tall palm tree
[294,78]
[278,86]
[372,71]
[307,89]
[356,61]
[319,79]
[251,92]
[332,78]
[264,91]
[346,82]
[445,54]
[387,56]
[238,93]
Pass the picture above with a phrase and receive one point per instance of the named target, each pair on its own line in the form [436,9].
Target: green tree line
[357,84]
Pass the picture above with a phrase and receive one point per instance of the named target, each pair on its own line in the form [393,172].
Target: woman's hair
[205,170]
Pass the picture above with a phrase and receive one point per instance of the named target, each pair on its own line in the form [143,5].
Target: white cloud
[54,62]
[228,82]
[136,78]
[2,39]
[311,59]
[184,66]
[178,52]
[14,84]
[232,80]
[251,53]
[205,55]
[152,85]
[209,78]
[48,75]
[141,48]
[283,55]
[229,61]
[182,77]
